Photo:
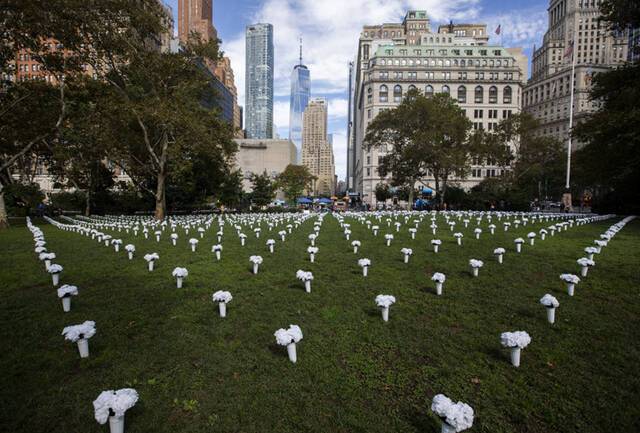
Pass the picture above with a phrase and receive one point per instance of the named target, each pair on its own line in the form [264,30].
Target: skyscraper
[196,16]
[300,93]
[259,81]
[576,37]
[317,152]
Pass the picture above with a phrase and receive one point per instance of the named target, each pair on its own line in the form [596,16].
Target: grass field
[196,372]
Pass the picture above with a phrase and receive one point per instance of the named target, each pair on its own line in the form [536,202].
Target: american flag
[569,50]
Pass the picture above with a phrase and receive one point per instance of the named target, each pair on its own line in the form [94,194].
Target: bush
[21,199]
[68,201]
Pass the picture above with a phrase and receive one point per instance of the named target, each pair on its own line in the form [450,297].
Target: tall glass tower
[300,93]
[259,81]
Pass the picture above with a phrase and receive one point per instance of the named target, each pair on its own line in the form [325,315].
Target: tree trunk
[87,206]
[410,204]
[4,219]
[436,179]
[160,196]
[444,189]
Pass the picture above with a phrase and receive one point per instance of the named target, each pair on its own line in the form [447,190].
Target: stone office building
[486,80]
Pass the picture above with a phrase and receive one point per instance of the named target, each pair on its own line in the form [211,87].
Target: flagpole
[573,70]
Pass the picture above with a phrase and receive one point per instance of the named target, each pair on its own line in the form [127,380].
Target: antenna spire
[301,50]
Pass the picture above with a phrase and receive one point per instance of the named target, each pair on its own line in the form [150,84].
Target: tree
[264,189]
[294,180]
[81,159]
[230,192]
[383,192]
[531,162]
[166,128]
[423,135]
[62,36]
[30,114]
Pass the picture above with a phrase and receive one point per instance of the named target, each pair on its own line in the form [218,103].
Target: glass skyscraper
[300,93]
[259,81]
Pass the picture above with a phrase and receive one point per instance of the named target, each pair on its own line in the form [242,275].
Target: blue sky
[330,30]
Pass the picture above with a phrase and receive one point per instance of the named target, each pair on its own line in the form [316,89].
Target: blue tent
[427,190]
[304,200]
[325,201]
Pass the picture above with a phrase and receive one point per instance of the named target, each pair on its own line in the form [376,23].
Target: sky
[330,31]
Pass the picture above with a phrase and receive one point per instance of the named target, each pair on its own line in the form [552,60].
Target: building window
[446,90]
[428,91]
[384,93]
[369,95]
[462,94]
[397,93]
[479,97]
[506,95]
[493,95]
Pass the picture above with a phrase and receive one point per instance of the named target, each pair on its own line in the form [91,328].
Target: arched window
[479,96]
[397,93]
[412,87]
[506,95]
[463,63]
[384,93]
[446,90]
[428,91]
[369,95]
[462,95]
[493,95]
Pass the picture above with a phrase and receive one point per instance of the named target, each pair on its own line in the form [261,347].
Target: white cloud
[518,28]
[330,31]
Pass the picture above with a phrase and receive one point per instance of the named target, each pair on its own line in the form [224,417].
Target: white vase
[355,250]
[492,231]
[116,424]
[433,231]
[385,314]
[47,263]
[307,286]
[312,257]
[106,243]
[83,347]
[255,268]
[375,232]
[571,288]
[130,253]
[271,248]
[435,248]
[447,428]
[116,247]
[348,237]
[518,247]
[66,304]
[365,270]
[542,236]
[151,266]
[500,258]
[179,282]
[173,242]
[313,242]
[515,356]
[590,256]
[584,270]
[193,248]
[551,315]
[222,306]
[217,255]
[532,241]
[475,271]
[55,278]
[406,258]
[158,238]
[477,235]
[282,238]
[291,350]
[438,288]
[201,235]
[413,235]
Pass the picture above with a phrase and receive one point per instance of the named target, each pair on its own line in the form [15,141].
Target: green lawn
[196,372]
